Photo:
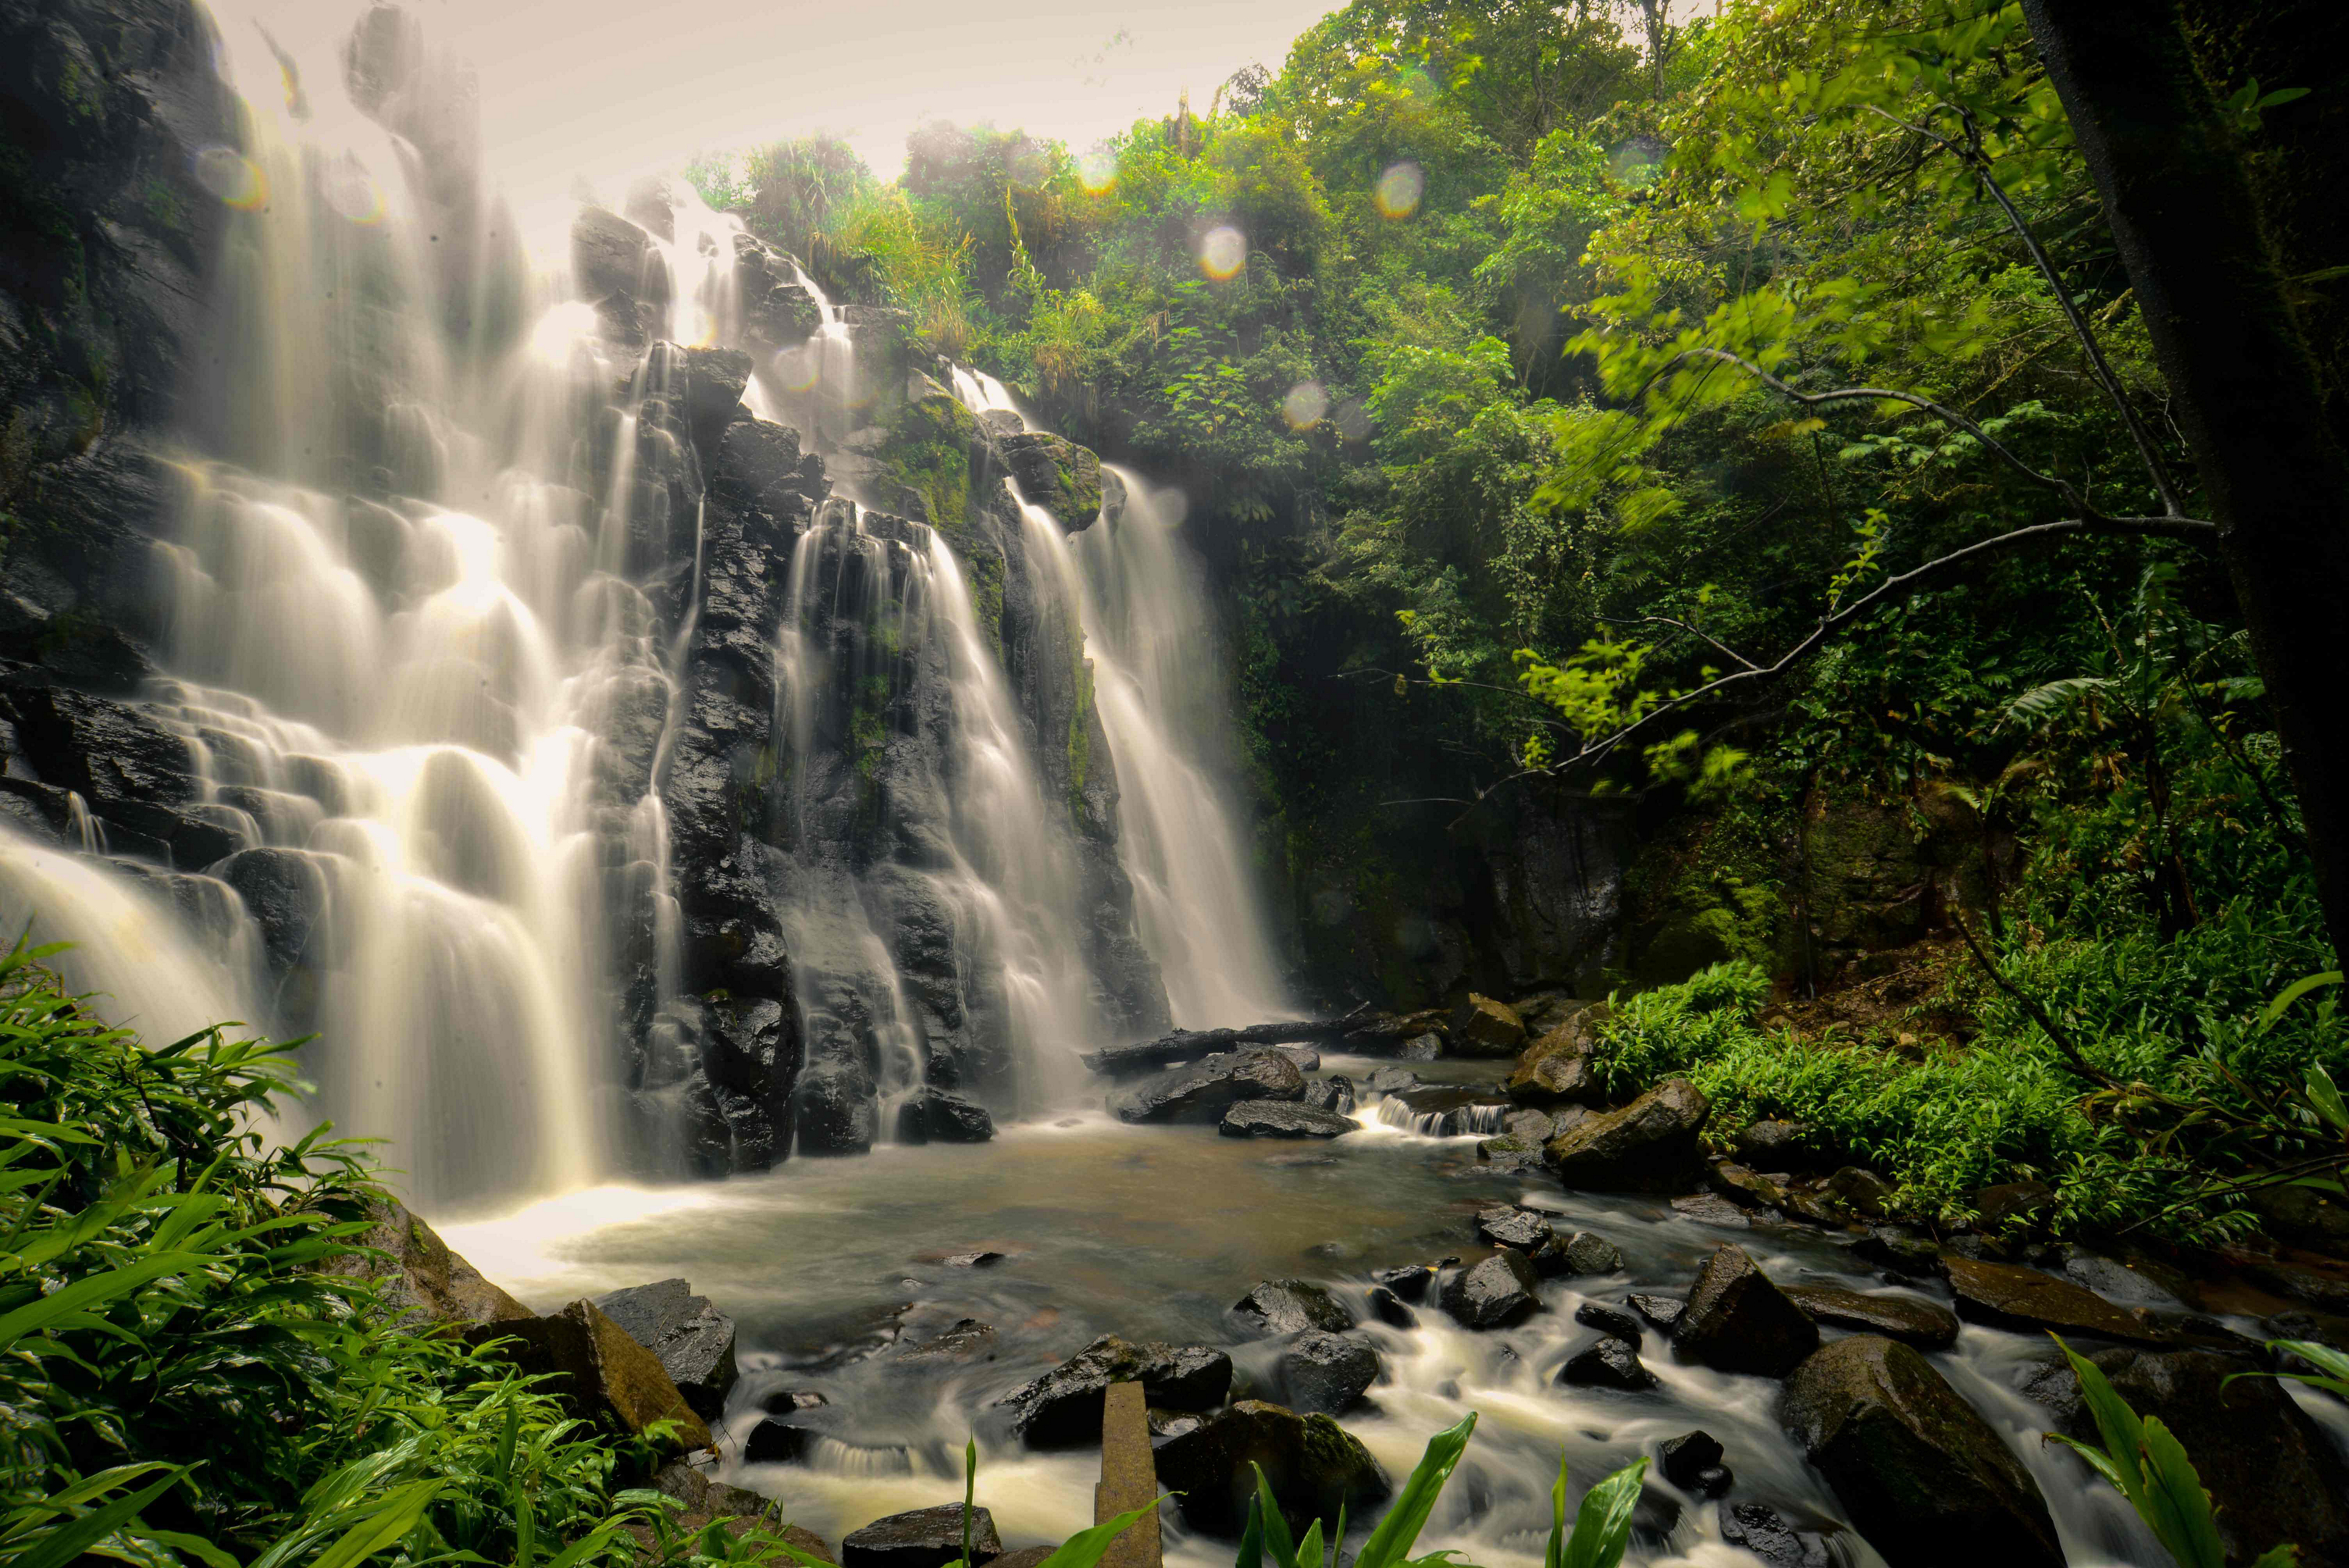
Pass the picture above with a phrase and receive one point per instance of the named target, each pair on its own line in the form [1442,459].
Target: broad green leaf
[2180,1510]
[1276,1528]
[62,1545]
[1602,1526]
[2117,1424]
[1390,1545]
[384,1524]
[92,1290]
[2294,992]
[2325,1096]
[1084,1549]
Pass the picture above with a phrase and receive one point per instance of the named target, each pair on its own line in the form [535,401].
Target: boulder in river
[1649,1146]
[1610,1363]
[1201,1091]
[600,1371]
[1334,1094]
[694,1340]
[1326,1371]
[1283,1118]
[1587,1253]
[1392,1080]
[1291,1306]
[1490,1029]
[1518,1230]
[1054,474]
[1664,1312]
[1409,1282]
[1609,1319]
[1912,1320]
[834,1110]
[1711,1209]
[1494,1292]
[1314,1467]
[1684,1459]
[1924,1478]
[1559,1069]
[2008,1295]
[1063,1407]
[2267,1465]
[1737,1321]
[934,1116]
[924,1538]
[1779,1146]
[1764,1531]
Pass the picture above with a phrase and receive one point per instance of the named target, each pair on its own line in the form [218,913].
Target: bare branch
[2079,1065]
[1666,620]
[1971,155]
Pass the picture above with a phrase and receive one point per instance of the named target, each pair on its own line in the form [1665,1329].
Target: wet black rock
[1054,474]
[287,894]
[1861,1191]
[1664,1312]
[2123,1285]
[1900,1250]
[1608,1320]
[1591,1255]
[621,272]
[713,398]
[2009,1295]
[1493,1293]
[2267,1464]
[1326,1371]
[1776,1146]
[1685,1457]
[1758,1527]
[694,1340]
[1611,1363]
[1063,1407]
[967,1341]
[1388,1308]
[934,1116]
[1334,1094]
[1649,1146]
[1409,1282]
[1912,1320]
[1314,1466]
[1523,1230]
[1283,1118]
[1290,1306]
[1711,1209]
[1392,1080]
[834,1110]
[1925,1479]
[1201,1091]
[1737,1321]
[924,1538]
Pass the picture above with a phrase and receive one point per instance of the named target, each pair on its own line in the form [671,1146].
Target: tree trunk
[2246,390]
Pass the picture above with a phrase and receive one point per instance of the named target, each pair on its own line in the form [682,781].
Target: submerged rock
[1493,1293]
[1737,1321]
[1649,1146]
[1203,1090]
[1063,1407]
[1283,1118]
[923,1538]
[1326,1371]
[1314,1466]
[1924,1478]
[1290,1306]
[694,1340]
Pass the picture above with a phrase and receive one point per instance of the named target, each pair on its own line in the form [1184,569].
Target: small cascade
[1442,1113]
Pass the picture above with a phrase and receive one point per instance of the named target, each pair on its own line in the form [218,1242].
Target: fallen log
[1190,1044]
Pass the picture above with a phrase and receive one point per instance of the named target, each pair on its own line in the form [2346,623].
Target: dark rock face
[1685,1457]
[287,894]
[923,1538]
[1326,1371]
[1334,1094]
[1610,1321]
[1589,1254]
[1291,1306]
[1493,1293]
[2268,1465]
[621,272]
[1610,1364]
[1909,1319]
[1314,1466]
[1201,1091]
[834,1109]
[1649,1146]
[603,1374]
[694,1340]
[1283,1118]
[1758,1527]
[1737,1321]
[934,1116]
[2011,1296]
[772,1442]
[1063,1407]
[1923,1478]
[1056,474]
[1664,1312]
[1409,1283]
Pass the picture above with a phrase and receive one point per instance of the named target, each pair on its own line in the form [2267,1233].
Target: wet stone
[1608,1320]
[1587,1253]
[1409,1282]
[1063,1407]
[1610,1364]
[1711,1209]
[1289,1306]
[2008,1295]
[1281,1118]
[1494,1293]
[1326,1371]
[1664,1312]
[1388,1308]
[1519,1230]
[1758,1527]
[1738,1321]
[1685,1457]
[923,1538]
[1909,1319]
[1392,1080]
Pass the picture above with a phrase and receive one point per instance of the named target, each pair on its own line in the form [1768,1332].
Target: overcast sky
[610,87]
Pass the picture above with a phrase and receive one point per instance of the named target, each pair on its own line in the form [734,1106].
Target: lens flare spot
[800,368]
[233,177]
[561,331]
[1097,170]
[1306,403]
[1399,190]
[351,191]
[1223,252]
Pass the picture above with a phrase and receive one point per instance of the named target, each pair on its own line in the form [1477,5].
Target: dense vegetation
[1526,364]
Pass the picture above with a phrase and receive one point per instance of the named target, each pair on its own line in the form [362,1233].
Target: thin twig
[2039,1015]
[1667,621]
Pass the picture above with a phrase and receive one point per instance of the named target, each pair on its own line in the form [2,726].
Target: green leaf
[1276,1527]
[195,1546]
[2285,1556]
[2117,1424]
[93,1290]
[2293,993]
[2325,1096]
[2180,1513]
[68,1542]
[1085,1548]
[1602,1526]
[1554,1554]
[1390,1545]
[390,1519]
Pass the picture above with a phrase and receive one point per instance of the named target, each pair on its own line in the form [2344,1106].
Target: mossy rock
[1056,474]
[927,452]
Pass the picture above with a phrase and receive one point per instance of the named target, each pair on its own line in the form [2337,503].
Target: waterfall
[1155,651]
